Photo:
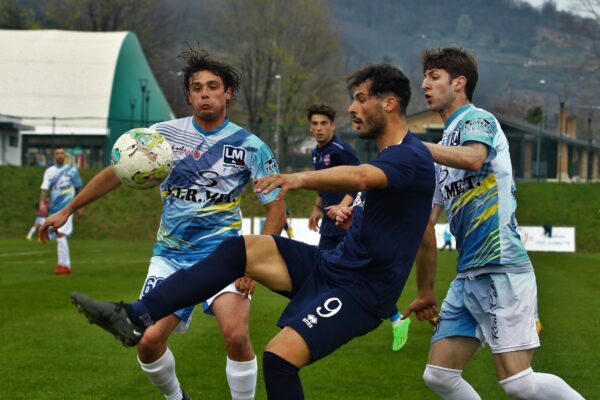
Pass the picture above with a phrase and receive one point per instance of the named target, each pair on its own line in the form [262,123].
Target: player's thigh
[265,264]
[512,362]
[453,352]
[289,345]
[232,311]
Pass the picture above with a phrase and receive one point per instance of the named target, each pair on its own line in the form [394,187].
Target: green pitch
[49,351]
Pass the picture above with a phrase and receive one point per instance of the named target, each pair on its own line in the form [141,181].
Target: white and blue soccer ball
[141,158]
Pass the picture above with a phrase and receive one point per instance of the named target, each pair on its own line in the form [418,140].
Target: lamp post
[539,139]
[132,107]
[143,87]
[561,118]
[278,115]
[147,99]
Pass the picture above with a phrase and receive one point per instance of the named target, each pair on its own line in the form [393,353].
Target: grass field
[49,351]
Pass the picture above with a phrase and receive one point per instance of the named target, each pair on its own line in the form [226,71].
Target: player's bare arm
[337,179]
[104,182]
[470,156]
[425,304]
[315,215]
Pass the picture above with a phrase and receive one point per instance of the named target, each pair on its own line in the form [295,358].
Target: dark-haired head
[384,79]
[456,61]
[200,60]
[321,109]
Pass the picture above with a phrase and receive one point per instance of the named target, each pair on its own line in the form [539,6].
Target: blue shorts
[325,315]
[329,242]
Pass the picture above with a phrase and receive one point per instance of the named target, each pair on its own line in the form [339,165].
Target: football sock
[538,386]
[448,383]
[188,287]
[62,247]
[162,375]
[31,231]
[241,377]
[395,319]
[282,380]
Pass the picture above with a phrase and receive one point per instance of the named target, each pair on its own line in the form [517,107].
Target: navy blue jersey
[335,153]
[377,254]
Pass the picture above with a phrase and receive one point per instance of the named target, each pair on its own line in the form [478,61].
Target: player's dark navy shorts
[329,242]
[325,315]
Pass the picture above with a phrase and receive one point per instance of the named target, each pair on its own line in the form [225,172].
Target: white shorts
[39,220]
[498,309]
[66,229]
[160,268]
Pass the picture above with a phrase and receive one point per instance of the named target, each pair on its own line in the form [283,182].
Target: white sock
[241,376]
[448,383]
[538,386]
[31,231]
[162,375]
[63,251]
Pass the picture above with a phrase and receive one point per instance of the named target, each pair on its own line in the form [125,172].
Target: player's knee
[236,340]
[521,385]
[441,380]
[150,343]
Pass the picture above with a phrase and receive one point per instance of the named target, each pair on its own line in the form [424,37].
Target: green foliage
[534,115]
[15,16]
[51,352]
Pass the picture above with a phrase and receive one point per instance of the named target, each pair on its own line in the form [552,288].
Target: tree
[295,40]
[589,26]
[14,16]
[464,26]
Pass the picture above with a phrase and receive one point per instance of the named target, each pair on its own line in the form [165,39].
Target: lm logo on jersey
[234,156]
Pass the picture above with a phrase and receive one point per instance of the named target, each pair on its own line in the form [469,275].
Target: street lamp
[278,115]
[143,87]
[147,99]
[539,138]
[132,107]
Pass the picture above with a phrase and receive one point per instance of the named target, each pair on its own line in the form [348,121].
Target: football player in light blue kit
[60,184]
[494,296]
[213,161]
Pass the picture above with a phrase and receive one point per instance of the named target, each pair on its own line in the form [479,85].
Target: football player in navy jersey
[214,159]
[493,298]
[331,151]
[335,295]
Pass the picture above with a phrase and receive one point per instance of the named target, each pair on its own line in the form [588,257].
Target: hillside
[127,214]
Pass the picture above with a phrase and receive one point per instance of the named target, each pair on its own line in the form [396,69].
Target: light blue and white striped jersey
[62,183]
[201,195]
[480,205]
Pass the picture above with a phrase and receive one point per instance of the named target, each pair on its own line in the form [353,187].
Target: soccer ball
[141,158]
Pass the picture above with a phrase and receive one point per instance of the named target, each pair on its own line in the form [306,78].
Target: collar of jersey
[328,144]
[214,131]
[456,113]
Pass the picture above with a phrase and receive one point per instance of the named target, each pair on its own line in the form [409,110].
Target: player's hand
[285,182]
[333,210]
[52,223]
[343,217]
[245,285]
[424,307]
[313,220]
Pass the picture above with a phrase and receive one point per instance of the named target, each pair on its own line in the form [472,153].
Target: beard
[374,125]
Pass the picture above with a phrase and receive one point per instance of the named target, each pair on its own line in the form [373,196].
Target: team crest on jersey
[196,154]
[455,137]
[327,160]
[234,156]
[270,165]
[359,200]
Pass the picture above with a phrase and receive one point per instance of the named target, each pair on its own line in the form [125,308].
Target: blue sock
[395,317]
[188,287]
[281,378]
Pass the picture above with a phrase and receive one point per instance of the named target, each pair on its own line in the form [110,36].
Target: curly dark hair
[385,79]
[200,60]
[321,109]
[456,61]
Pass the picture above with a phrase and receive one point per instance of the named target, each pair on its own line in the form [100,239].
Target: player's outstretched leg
[111,317]
[399,331]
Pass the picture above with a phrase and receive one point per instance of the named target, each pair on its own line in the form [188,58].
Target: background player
[494,296]
[329,152]
[60,184]
[213,161]
[336,295]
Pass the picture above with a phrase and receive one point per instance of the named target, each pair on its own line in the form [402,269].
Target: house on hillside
[79,90]
[535,153]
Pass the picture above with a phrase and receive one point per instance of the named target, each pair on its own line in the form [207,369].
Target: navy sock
[189,287]
[282,380]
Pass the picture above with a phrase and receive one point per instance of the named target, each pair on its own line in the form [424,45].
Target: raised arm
[470,156]
[104,182]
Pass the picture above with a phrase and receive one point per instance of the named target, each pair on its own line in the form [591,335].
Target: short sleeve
[398,163]
[45,181]
[264,164]
[347,158]
[482,128]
